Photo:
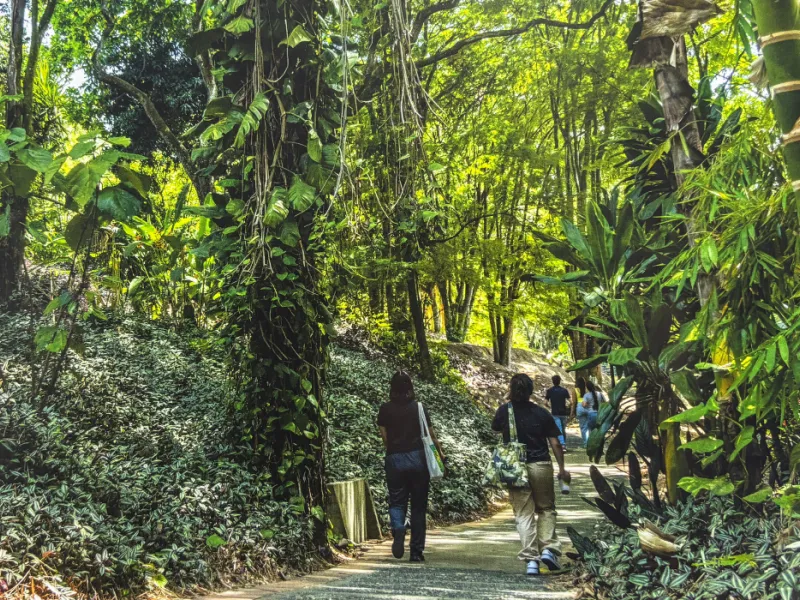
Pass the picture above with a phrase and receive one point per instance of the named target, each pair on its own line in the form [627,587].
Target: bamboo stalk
[778,23]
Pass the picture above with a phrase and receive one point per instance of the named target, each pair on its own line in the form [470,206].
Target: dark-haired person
[535,505]
[557,399]
[407,476]
[581,410]
[592,400]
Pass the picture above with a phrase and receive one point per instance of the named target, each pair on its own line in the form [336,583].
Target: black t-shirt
[558,398]
[534,426]
[401,421]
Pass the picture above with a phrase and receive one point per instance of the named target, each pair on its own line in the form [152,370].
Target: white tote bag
[435,466]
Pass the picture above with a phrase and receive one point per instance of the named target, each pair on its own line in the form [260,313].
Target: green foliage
[723,552]
[161,494]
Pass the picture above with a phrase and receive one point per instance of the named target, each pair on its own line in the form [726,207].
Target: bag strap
[512,424]
[423,423]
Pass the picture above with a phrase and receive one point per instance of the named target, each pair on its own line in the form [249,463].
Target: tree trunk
[418,319]
[437,315]
[15,208]
[778,22]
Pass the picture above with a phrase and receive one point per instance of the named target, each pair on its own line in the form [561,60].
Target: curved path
[472,561]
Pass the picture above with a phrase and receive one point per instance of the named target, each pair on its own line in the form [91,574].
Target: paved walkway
[472,561]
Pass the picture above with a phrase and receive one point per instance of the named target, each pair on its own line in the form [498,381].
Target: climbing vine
[269,143]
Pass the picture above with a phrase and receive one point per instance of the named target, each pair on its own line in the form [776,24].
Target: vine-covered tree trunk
[13,206]
[283,168]
[778,23]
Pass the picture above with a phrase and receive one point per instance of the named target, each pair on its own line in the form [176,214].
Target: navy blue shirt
[558,398]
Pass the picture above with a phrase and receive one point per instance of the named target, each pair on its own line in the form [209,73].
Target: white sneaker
[533,568]
[550,560]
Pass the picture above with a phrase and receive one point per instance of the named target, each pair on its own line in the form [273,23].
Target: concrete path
[472,561]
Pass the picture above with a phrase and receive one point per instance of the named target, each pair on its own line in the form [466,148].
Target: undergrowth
[126,478]
[130,476]
[725,552]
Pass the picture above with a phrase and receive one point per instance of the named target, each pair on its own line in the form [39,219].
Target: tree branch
[181,152]
[499,33]
[426,13]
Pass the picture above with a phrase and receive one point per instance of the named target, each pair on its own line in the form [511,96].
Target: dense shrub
[725,552]
[127,476]
[357,386]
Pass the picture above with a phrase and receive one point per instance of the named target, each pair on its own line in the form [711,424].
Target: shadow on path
[471,561]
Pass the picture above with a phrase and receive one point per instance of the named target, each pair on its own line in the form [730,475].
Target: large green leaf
[51,338]
[635,319]
[623,356]
[277,210]
[298,36]
[618,391]
[623,233]
[252,118]
[314,147]
[239,25]
[743,440]
[692,415]
[22,178]
[81,182]
[118,204]
[719,486]
[37,159]
[599,237]
[685,381]
[592,333]
[704,445]
[575,237]
[78,232]
[5,154]
[301,195]
[588,363]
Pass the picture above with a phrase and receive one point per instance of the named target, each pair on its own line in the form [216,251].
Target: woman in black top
[407,474]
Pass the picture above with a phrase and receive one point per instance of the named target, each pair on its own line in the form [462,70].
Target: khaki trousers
[535,512]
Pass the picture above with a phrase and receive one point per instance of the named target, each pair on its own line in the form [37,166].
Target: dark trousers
[407,478]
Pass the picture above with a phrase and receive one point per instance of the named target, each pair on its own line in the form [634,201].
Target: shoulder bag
[507,466]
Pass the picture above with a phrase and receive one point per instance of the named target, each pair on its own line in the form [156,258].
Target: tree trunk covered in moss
[778,23]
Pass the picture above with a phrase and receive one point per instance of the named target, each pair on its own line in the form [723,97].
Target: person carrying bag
[523,463]
[409,441]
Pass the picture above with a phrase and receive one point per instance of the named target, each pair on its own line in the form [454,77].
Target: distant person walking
[407,476]
[579,410]
[558,399]
[535,505]
[590,405]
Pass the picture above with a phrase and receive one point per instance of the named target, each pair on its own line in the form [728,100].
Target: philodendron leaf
[298,36]
[759,496]
[314,147]
[719,486]
[692,415]
[703,445]
[301,195]
[277,210]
